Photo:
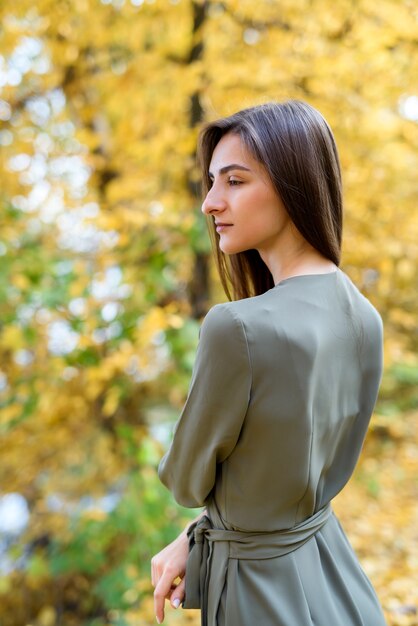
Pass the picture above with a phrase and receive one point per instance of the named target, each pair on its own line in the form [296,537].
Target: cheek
[267,217]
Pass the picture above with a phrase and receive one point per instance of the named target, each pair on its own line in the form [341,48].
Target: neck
[295,257]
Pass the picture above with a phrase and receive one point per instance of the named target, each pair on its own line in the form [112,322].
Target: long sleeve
[211,420]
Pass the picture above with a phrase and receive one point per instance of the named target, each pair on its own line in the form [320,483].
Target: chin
[231,249]
[231,246]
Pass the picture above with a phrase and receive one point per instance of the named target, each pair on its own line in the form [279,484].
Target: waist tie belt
[210,548]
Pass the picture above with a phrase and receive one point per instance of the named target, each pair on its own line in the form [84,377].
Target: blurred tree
[105,258]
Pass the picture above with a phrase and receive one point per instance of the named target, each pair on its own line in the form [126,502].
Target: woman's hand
[166,566]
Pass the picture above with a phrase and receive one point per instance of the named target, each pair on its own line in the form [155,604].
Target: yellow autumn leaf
[12,337]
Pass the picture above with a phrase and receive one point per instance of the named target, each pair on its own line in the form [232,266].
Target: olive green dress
[282,391]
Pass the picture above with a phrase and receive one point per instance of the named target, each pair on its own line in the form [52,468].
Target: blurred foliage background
[106,273]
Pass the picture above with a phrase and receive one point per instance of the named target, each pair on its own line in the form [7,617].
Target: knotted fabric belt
[211,547]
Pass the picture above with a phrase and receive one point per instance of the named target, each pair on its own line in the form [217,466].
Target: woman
[283,387]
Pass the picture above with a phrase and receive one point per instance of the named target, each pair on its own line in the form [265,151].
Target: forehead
[230,149]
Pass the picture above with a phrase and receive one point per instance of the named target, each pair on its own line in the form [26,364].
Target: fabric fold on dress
[211,545]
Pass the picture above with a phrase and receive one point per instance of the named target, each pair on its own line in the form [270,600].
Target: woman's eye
[234,182]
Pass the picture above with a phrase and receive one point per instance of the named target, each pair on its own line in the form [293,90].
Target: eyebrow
[232,166]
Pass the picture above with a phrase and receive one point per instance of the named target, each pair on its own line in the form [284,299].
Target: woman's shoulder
[222,318]
[362,304]
[228,315]
[222,331]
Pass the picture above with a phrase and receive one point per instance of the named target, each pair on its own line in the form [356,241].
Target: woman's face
[243,198]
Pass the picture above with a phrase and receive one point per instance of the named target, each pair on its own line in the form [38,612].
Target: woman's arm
[168,565]
[211,421]
[204,436]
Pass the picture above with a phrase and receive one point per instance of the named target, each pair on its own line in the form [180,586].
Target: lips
[221,226]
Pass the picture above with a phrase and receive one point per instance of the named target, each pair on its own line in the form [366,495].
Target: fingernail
[176,603]
[157,619]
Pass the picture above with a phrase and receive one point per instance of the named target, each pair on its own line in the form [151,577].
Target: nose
[214,202]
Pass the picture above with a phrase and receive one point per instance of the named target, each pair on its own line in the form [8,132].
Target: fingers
[167,567]
[177,596]
[159,600]
[175,593]
[162,591]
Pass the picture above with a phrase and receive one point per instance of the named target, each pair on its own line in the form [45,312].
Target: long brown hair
[296,146]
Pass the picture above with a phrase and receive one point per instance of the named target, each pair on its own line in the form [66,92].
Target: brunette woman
[285,380]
